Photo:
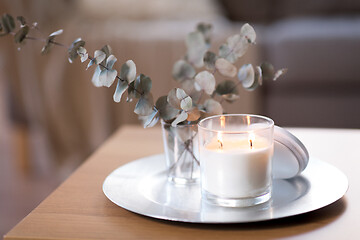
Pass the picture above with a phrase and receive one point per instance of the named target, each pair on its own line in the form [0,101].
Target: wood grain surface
[78,209]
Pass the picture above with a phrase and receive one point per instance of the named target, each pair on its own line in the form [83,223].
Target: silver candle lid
[290,155]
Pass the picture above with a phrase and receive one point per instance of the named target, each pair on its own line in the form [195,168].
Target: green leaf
[143,84]
[212,107]
[226,87]
[205,29]
[73,49]
[150,120]
[120,89]
[246,75]
[205,81]
[128,71]
[22,20]
[21,34]
[145,105]
[225,68]
[196,48]
[7,23]
[182,117]
[182,70]
[167,112]
[209,60]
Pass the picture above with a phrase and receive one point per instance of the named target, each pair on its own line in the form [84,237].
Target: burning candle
[235,159]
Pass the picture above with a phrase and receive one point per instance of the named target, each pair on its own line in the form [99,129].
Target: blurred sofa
[319,42]
[66,117]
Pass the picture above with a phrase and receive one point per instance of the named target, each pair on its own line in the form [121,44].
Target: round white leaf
[132,70]
[213,107]
[248,32]
[225,67]
[205,81]
[246,75]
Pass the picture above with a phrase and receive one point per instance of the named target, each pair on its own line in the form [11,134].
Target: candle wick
[221,144]
[251,144]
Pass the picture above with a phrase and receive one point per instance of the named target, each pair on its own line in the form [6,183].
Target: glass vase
[181,153]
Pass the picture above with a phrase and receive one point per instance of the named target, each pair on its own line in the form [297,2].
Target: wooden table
[78,209]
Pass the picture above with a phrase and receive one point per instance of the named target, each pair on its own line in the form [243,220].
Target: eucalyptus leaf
[132,93]
[173,100]
[231,97]
[167,112]
[22,20]
[128,71]
[82,52]
[107,50]
[121,87]
[95,78]
[107,75]
[205,29]
[279,73]
[205,81]
[247,32]
[196,48]
[209,60]
[182,70]
[189,87]
[226,52]
[212,107]
[225,68]
[49,40]
[258,75]
[267,70]
[143,84]
[150,120]
[99,57]
[193,115]
[73,49]
[186,103]
[226,87]
[246,75]
[181,94]
[21,34]
[7,23]
[145,105]
[182,117]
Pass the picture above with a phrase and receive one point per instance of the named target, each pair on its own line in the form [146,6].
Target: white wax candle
[236,168]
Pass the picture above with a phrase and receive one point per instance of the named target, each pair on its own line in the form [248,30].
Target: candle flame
[251,139]
[219,139]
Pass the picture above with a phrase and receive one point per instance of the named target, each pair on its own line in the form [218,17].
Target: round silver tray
[141,186]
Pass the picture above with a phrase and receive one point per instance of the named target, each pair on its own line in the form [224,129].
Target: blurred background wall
[52,117]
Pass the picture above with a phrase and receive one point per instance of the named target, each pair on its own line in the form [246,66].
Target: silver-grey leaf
[196,48]
[167,112]
[186,103]
[182,70]
[151,120]
[145,105]
[107,77]
[246,75]
[182,117]
[121,87]
[209,60]
[205,81]
[225,68]
[173,100]
[95,78]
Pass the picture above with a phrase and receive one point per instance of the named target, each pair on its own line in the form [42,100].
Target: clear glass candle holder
[235,159]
